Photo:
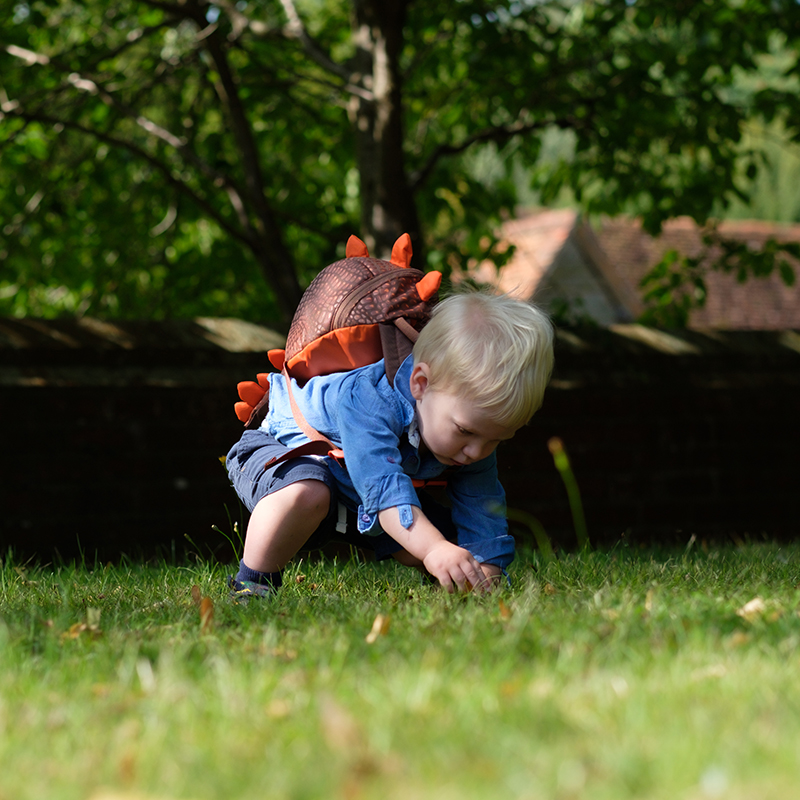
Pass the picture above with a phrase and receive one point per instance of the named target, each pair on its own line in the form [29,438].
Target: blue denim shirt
[375,426]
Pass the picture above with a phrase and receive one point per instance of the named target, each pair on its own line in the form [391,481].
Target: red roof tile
[756,304]
[623,253]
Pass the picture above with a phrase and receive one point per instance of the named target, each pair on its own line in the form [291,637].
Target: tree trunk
[387,204]
[260,226]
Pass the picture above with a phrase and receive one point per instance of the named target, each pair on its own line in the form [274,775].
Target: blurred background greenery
[164,159]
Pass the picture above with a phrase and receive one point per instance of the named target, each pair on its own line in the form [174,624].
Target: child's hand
[456,568]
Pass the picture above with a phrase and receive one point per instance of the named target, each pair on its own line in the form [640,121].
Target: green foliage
[196,158]
[672,289]
[771,177]
[676,286]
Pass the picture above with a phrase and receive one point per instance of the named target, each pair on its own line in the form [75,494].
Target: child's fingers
[457,570]
[476,577]
[473,579]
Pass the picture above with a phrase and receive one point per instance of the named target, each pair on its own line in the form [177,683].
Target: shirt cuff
[394,490]
[498,551]
[368,523]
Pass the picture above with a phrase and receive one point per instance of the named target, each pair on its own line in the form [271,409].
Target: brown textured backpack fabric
[355,312]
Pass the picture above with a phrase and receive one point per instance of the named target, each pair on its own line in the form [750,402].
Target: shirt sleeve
[371,420]
[478,507]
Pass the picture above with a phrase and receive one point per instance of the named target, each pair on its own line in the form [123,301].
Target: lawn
[615,674]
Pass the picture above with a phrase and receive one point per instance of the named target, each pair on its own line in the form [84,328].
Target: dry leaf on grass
[380,627]
[505,611]
[341,731]
[278,709]
[90,628]
[206,615]
[346,738]
[711,671]
[197,595]
[739,639]
[758,608]
[753,609]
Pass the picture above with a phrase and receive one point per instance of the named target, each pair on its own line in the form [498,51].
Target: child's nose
[473,451]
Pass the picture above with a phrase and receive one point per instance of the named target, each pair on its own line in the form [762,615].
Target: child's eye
[463,431]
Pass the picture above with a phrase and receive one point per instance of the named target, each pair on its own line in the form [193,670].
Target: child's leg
[282,522]
[287,501]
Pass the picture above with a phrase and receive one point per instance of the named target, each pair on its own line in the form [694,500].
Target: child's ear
[418,382]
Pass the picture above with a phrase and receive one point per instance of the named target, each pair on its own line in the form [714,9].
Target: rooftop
[557,253]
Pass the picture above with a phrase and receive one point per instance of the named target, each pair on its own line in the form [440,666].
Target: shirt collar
[402,380]
[402,387]
[413,432]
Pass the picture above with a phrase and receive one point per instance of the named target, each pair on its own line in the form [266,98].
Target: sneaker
[242,591]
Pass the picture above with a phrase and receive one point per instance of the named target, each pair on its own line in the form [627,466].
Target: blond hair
[495,349]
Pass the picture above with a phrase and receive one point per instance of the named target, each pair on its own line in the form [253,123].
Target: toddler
[476,375]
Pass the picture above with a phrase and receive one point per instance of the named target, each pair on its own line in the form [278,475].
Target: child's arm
[451,565]
[477,503]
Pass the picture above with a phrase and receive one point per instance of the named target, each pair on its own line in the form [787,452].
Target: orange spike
[429,285]
[250,392]
[401,252]
[243,411]
[277,358]
[355,248]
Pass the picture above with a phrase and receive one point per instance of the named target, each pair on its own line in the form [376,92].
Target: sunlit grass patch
[615,674]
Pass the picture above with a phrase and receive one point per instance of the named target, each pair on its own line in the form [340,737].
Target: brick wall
[108,452]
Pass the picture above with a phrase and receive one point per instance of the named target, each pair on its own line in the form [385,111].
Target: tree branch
[260,230]
[500,133]
[133,38]
[295,29]
[228,92]
[91,86]
[241,22]
[164,169]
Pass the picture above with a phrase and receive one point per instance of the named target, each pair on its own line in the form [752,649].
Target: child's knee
[306,502]
[314,497]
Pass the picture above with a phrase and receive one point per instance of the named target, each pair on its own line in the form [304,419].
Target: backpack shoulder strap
[397,342]
[324,445]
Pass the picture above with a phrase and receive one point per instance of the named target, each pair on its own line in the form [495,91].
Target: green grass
[607,675]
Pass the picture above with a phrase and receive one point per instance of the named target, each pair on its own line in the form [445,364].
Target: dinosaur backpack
[355,312]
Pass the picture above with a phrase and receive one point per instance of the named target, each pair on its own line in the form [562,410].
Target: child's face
[454,430]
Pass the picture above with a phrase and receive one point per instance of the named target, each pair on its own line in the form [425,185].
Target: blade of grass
[537,529]
[564,468]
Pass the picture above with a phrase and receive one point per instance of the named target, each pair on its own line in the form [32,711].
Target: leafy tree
[174,157]
[773,193]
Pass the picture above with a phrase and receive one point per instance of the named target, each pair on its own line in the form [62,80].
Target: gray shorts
[253,480]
